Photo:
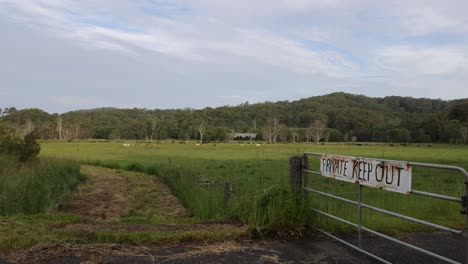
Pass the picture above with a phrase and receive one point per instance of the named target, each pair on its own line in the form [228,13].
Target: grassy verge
[36,186]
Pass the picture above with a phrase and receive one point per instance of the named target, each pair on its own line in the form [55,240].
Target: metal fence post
[305,175]
[465,235]
[360,216]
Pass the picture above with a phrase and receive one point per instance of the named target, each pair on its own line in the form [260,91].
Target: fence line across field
[359,203]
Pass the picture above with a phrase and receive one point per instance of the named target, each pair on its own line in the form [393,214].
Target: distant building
[245,136]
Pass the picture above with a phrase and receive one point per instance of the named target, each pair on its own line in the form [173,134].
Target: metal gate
[361,205]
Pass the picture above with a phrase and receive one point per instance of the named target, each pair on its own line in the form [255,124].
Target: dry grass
[95,253]
[105,197]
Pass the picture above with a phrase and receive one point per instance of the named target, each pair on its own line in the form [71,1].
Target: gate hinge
[464,204]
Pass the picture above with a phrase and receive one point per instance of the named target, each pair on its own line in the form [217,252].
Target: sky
[62,55]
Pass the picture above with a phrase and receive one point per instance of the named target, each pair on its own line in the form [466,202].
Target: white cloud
[431,61]
[169,39]
[265,47]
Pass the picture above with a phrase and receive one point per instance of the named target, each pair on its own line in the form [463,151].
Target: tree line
[334,117]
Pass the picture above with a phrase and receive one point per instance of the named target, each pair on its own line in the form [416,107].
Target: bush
[137,167]
[22,149]
[30,147]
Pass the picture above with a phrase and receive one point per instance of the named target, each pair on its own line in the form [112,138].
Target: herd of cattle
[126,145]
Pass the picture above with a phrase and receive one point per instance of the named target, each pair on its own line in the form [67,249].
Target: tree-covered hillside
[333,117]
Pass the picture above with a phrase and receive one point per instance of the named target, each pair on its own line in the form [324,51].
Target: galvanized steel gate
[360,205]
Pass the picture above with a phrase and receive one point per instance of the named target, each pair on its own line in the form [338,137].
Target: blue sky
[67,55]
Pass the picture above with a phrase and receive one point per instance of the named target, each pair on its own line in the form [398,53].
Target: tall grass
[279,212]
[274,210]
[36,186]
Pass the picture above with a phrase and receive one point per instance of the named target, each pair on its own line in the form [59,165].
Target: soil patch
[105,197]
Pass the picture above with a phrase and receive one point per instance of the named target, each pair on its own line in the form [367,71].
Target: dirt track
[104,198]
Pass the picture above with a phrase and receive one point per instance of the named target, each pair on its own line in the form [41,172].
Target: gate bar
[354,247]
[438,196]
[388,237]
[429,253]
[313,172]
[332,196]
[409,218]
[360,216]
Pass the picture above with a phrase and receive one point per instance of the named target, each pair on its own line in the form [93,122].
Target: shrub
[22,149]
[137,167]
[30,147]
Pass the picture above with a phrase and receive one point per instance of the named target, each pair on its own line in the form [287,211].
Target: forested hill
[347,117]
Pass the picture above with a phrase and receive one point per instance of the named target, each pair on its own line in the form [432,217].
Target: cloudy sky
[62,55]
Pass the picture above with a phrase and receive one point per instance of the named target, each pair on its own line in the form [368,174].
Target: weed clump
[137,167]
[279,213]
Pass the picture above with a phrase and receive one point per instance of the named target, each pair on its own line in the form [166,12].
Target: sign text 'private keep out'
[388,175]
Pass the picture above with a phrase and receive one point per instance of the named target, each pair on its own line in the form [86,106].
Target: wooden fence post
[297,164]
[295,173]
[227,192]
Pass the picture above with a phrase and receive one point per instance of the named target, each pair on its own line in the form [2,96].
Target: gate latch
[464,203]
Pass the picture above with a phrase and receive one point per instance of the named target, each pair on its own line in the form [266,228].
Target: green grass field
[257,171]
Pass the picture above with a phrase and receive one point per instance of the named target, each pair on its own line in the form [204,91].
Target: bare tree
[201,130]
[308,132]
[254,124]
[271,130]
[76,131]
[464,135]
[60,127]
[45,129]
[317,130]
[294,135]
[154,128]
[284,133]
[67,133]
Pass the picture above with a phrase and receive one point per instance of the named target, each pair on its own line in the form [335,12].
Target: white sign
[388,175]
